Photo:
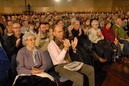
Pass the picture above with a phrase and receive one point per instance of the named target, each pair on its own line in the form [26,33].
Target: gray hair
[93,22]
[25,36]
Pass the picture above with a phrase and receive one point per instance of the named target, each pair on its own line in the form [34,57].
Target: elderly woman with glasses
[31,61]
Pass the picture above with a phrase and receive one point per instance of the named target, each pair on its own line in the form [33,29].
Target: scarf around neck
[61,46]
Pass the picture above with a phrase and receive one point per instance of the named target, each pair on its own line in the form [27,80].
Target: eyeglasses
[32,39]
[15,27]
[96,24]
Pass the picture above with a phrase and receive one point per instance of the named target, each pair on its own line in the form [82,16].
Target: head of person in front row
[30,59]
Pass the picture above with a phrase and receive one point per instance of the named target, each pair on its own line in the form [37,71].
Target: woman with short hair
[31,61]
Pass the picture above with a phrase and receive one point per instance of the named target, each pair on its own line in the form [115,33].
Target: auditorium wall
[18,6]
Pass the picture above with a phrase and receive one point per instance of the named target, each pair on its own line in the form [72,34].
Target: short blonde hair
[25,36]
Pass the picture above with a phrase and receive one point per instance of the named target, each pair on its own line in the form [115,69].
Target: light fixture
[69,0]
[57,0]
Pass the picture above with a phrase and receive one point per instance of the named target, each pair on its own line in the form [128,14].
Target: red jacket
[108,34]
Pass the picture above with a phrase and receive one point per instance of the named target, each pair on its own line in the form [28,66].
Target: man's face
[77,25]
[60,24]
[16,28]
[119,21]
[59,33]
[43,27]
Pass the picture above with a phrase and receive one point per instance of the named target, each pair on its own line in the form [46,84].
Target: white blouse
[93,35]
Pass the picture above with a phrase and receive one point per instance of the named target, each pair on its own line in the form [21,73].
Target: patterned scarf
[61,46]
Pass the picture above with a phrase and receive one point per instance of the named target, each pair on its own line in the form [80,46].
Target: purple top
[25,61]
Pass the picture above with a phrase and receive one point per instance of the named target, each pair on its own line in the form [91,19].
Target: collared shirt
[57,55]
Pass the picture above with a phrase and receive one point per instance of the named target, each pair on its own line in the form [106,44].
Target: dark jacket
[4,64]
[10,45]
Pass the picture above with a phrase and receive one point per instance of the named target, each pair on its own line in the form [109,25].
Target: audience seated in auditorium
[102,48]
[58,50]
[121,35]
[110,37]
[62,19]
[83,44]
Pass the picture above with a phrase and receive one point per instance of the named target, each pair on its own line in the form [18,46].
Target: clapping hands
[66,44]
[74,43]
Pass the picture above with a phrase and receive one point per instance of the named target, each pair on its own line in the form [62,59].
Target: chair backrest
[48,60]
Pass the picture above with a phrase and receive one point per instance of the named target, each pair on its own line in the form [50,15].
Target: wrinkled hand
[74,43]
[36,71]
[99,34]
[66,44]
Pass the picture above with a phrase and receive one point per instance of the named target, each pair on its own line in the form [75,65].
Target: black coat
[10,45]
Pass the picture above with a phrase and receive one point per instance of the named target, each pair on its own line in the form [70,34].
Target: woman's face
[9,30]
[60,24]
[43,27]
[95,25]
[88,22]
[108,25]
[30,42]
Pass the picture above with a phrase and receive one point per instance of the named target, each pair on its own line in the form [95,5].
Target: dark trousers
[103,49]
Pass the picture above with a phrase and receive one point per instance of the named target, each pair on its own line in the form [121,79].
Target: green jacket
[119,31]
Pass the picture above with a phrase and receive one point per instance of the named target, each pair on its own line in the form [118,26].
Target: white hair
[93,22]
[25,36]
